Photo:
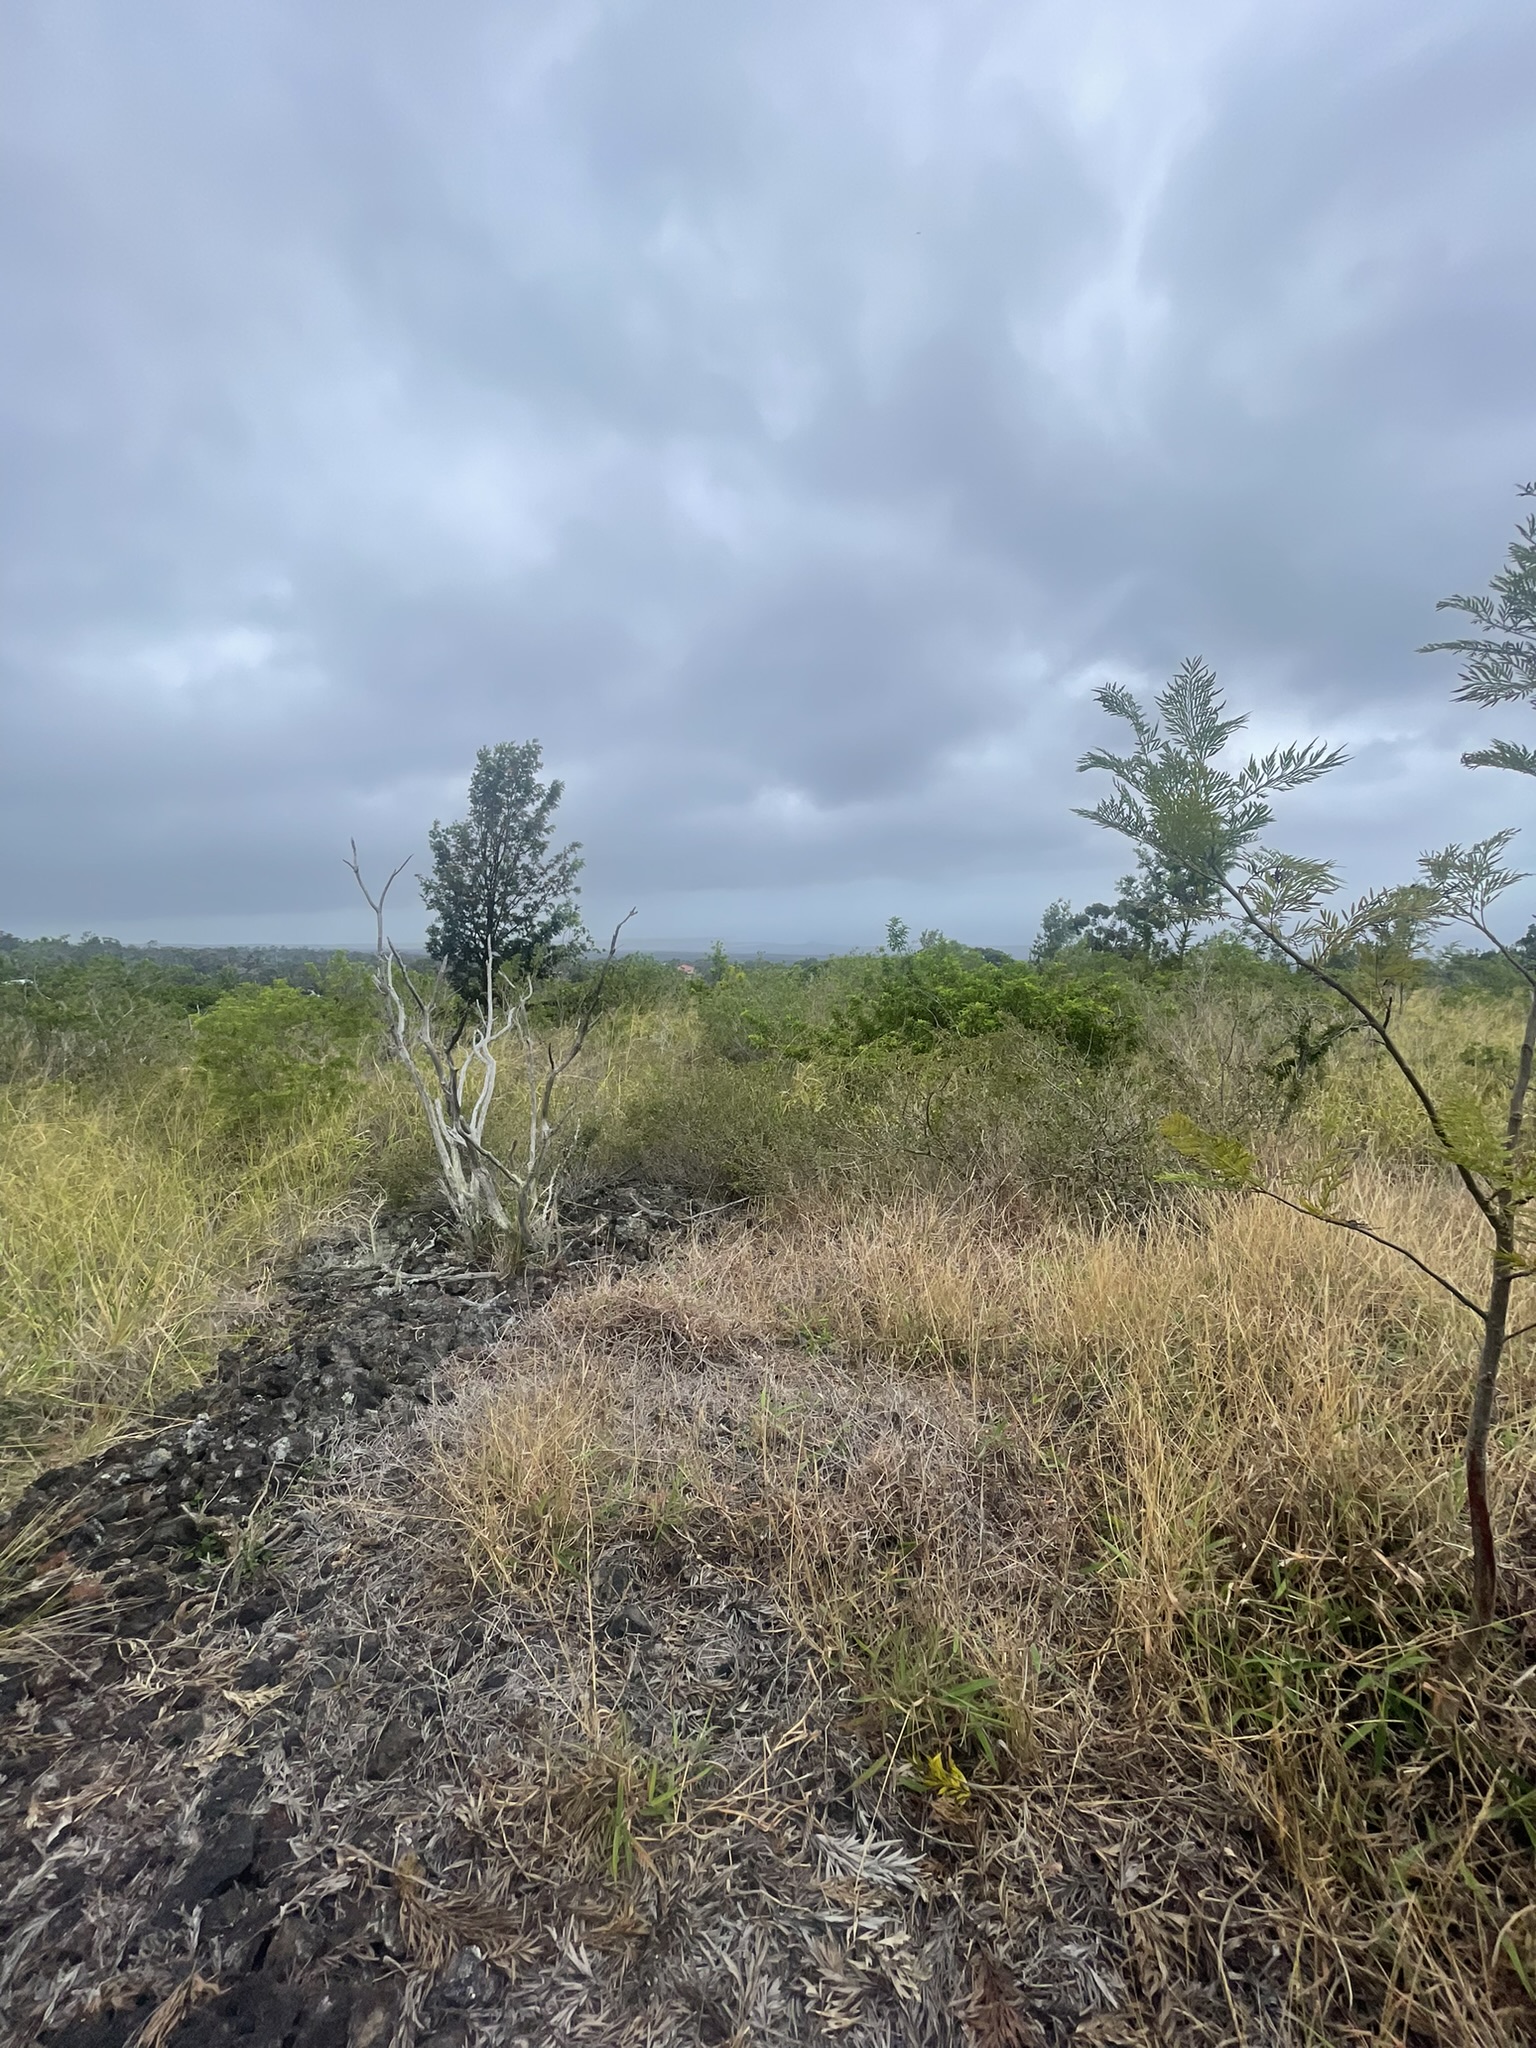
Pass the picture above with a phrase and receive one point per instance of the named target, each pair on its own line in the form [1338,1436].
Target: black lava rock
[226,1855]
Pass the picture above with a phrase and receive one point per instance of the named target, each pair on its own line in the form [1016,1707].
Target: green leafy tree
[1175,796]
[499,898]
[1153,917]
[1059,927]
[454,1062]
[1499,666]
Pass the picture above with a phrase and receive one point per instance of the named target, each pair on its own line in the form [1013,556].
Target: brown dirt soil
[420,1747]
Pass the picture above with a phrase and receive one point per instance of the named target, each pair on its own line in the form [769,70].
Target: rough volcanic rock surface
[365,1329]
[148,1660]
[143,1523]
[280,1765]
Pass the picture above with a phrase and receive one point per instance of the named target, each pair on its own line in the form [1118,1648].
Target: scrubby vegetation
[1239,1431]
[166,1134]
[1229,1437]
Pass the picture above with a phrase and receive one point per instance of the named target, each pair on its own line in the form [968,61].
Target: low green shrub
[921,998]
[633,982]
[270,1055]
[673,1110]
[1009,1113]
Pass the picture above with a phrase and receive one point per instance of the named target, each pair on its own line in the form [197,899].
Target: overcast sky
[787,413]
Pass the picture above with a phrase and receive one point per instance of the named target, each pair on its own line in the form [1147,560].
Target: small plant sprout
[944,1779]
[1176,798]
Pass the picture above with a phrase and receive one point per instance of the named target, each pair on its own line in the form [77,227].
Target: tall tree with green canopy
[1179,800]
[499,897]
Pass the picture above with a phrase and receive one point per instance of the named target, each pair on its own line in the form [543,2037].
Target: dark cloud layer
[787,414]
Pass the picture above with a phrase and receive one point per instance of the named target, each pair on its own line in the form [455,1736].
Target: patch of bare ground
[664,1680]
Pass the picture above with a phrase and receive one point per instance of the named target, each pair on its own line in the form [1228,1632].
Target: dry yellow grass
[1248,1369]
[1203,1474]
[631,1413]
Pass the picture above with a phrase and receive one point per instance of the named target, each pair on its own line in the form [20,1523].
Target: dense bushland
[167,1132]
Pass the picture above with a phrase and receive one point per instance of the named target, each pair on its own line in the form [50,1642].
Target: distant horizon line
[674,949]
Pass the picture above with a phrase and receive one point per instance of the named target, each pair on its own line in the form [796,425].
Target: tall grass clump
[131,1232]
[1220,1451]
[167,1134]
[1241,1432]
[1467,1048]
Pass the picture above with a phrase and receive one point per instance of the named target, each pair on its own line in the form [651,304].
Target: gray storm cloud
[785,414]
